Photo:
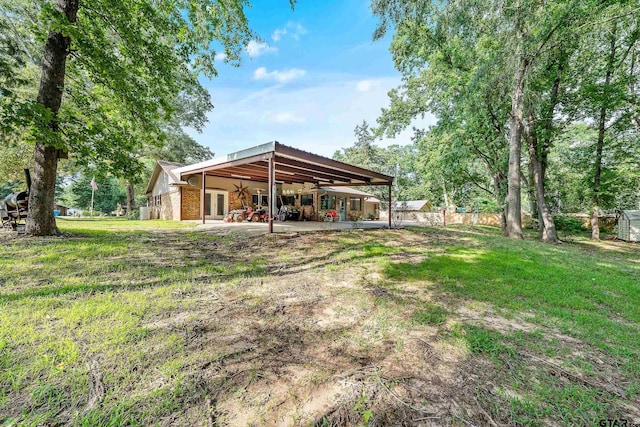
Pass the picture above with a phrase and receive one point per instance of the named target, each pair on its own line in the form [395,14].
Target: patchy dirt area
[330,347]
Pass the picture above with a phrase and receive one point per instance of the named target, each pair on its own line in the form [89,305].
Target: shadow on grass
[595,303]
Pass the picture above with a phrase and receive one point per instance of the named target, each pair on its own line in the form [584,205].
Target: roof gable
[163,166]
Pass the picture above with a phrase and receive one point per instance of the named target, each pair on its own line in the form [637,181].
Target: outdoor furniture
[16,207]
[4,216]
[330,215]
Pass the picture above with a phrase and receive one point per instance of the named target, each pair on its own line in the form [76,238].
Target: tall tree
[124,59]
[447,52]
[605,89]
[40,220]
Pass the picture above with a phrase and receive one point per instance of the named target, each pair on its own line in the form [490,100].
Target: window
[260,199]
[355,204]
[157,200]
[207,203]
[220,205]
[306,200]
[287,201]
[328,201]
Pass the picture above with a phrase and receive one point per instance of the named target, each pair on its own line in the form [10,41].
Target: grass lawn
[151,322]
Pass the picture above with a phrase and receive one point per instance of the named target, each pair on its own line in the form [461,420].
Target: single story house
[314,184]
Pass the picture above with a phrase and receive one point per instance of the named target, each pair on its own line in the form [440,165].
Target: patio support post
[389,205]
[271,184]
[202,195]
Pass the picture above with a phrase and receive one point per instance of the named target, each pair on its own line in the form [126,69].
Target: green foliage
[106,197]
[486,205]
[398,161]
[458,61]
[126,89]
[9,187]
[568,224]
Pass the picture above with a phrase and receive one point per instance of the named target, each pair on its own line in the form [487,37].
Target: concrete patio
[258,228]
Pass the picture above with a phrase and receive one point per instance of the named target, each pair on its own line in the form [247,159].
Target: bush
[534,224]
[487,205]
[133,214]
[568,224]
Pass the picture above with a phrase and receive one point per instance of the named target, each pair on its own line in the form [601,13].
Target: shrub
[133,214]
[568,224]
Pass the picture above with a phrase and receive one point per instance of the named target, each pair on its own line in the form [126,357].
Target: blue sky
[312,78]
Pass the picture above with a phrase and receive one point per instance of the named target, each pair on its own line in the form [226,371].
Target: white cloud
[286,117]
[256,48]
[278,33]
[367,85]
[220,56]
[278,76]
[297,30]
[294,29]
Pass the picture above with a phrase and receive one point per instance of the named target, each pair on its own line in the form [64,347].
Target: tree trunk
[498,185]
[514,200]
[444,193]
[40,220]
[548,231]
[635,116]
[130,197]
[602,121]
[595,226]
[538,153]
[533,207]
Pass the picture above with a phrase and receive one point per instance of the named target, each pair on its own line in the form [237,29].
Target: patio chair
[330,216]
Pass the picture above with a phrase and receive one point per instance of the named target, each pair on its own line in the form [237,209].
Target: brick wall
[190,203]
[234,201]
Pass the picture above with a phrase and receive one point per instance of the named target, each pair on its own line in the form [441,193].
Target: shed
[413,206]
[629,226]
[62,210]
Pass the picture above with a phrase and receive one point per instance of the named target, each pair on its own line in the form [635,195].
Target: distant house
[629,226]
[413,206]
[415,211]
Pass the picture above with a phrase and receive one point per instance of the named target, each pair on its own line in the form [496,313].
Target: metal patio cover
[291,165]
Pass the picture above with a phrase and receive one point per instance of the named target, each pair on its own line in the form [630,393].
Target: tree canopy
[529,96]
[127,78]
